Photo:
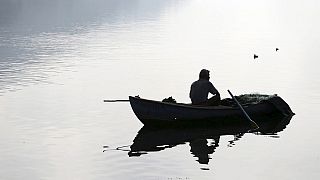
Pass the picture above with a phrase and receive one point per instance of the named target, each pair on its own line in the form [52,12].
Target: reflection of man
[200,89]
[200,149]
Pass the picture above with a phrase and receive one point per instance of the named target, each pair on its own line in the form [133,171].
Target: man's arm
[213,90]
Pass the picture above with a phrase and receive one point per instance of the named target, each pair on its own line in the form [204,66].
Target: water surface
[60,59]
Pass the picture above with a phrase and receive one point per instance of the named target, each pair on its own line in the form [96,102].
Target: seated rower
[200,89]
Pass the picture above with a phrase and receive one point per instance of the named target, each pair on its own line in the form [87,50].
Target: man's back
[200,89]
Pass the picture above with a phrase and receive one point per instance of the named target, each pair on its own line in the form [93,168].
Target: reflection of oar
[116,100]
[253,124]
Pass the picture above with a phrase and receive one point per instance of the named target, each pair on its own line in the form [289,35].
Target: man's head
[204,74]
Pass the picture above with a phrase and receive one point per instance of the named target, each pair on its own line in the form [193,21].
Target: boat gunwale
[220,107]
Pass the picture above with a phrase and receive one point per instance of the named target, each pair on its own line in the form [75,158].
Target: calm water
[60,59]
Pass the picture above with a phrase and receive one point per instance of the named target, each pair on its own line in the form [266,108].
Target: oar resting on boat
[116,100]
[252,123]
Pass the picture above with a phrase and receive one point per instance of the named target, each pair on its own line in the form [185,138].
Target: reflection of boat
[151,139]
[156,113]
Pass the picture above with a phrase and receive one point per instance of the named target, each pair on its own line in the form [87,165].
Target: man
[200,89]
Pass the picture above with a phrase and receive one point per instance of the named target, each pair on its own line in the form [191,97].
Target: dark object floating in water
[277,49]
[156,113]
[255,56]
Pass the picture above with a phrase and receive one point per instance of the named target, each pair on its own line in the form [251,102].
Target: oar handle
[116,100]
[254,124]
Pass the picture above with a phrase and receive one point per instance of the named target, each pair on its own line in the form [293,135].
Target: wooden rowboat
[156,113]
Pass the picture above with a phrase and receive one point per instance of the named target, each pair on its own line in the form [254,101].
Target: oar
[252,123]
[116,100]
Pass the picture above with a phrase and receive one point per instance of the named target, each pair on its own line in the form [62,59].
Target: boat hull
[151,112]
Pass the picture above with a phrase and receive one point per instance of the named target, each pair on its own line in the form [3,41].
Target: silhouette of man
[200,89]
